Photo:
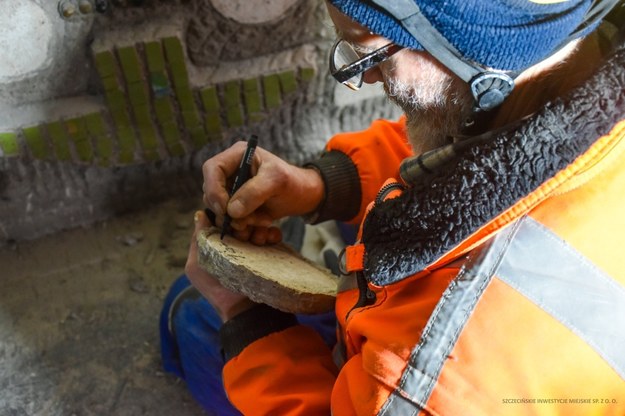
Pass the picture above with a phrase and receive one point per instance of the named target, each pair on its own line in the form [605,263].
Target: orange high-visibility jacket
[494,286]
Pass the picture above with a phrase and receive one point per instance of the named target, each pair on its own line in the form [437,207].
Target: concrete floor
[79,318]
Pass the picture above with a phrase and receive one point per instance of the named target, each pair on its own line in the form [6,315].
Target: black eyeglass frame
[362,65]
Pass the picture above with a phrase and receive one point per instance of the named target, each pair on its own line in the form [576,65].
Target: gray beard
[435,112]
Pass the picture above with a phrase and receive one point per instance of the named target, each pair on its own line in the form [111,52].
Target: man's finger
[253,194]
[216,172]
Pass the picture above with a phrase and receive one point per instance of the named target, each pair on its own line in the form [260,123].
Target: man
[487,278]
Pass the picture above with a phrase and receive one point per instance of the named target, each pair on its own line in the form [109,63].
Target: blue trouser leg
[189,328]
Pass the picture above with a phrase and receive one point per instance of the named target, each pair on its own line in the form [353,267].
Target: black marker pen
[243,174]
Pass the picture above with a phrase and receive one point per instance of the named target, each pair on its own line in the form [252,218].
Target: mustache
[436,109]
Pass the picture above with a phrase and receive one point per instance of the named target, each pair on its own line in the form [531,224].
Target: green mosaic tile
[288,82]
[116,100]
[60,141]
[147,133]
[9,144]
[77,131]
[105,64]
[307,74]
[271,87]
[98,130]
[253,101]
[164,110]
[232,94]
[198,136]
[129,61]
[211,104]
[189,113]
[110,83]
[142,116]
[185,99]
[190,118]
[36,143]
[210,100]
[151,154]
[234,117]
[121,118]
[159,84]
[104,150]
[173,49]
[232,102]
[96,125]
[176,62]
[154,56]
[180,79]
[213,125]
[171,136]
[127,142]
[138,94]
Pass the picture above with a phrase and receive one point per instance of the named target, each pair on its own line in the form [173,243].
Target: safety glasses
[348,67]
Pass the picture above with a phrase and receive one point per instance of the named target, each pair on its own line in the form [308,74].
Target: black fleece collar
[404,235]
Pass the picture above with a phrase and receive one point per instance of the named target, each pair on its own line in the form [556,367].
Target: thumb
[201,220]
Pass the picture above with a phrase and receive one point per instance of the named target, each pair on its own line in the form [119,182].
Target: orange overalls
[524,315]
[468,334]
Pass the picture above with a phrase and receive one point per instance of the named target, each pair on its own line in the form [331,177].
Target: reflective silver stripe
[563,283]
[444,326]
[543,268]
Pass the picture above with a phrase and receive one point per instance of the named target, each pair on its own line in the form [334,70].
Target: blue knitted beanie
[502,34]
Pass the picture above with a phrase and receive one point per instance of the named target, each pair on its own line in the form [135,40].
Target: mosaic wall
[119,102]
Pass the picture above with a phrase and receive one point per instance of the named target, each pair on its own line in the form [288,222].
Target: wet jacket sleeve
[355,165]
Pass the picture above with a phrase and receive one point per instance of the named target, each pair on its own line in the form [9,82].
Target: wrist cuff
[251,325]
[342,187]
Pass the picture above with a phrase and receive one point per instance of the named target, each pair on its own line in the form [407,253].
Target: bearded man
[487,277]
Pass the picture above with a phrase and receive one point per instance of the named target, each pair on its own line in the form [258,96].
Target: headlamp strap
[489,88]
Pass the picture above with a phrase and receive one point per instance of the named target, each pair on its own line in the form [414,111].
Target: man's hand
[227,303]
[277,189]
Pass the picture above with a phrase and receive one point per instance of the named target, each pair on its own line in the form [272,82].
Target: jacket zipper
[366,296]
[386,190]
